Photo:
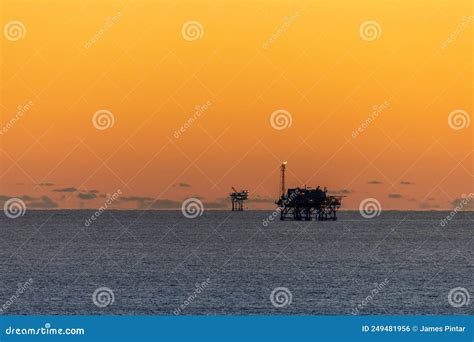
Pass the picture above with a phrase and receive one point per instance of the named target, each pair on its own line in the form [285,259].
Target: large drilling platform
[306,203]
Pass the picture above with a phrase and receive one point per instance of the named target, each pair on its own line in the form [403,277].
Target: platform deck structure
[306,203]
[237,198]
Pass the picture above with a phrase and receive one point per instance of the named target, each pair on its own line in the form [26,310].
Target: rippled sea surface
[152,261]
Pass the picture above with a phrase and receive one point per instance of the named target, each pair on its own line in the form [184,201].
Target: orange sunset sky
[329,64]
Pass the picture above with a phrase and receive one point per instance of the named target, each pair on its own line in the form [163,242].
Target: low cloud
[219,203]
[260,200]
[65,190]
[374,182]
[24,198]
[428,205]
[42,202]
[3,199]
[394,196]
[136,199]
[172,204]
[87,196]
[465,202]
[405,183]
[341,192]
[142,202]
[184,185]
[166,204]
[46,184]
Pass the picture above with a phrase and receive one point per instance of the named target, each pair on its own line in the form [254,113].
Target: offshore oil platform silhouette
[306,203]
[238,199]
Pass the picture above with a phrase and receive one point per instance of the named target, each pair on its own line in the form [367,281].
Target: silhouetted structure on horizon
[238,199]
[306,203]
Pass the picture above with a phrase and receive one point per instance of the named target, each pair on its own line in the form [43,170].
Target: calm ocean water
[160,263]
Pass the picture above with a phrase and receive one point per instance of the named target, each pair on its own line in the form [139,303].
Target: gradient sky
[254,57]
